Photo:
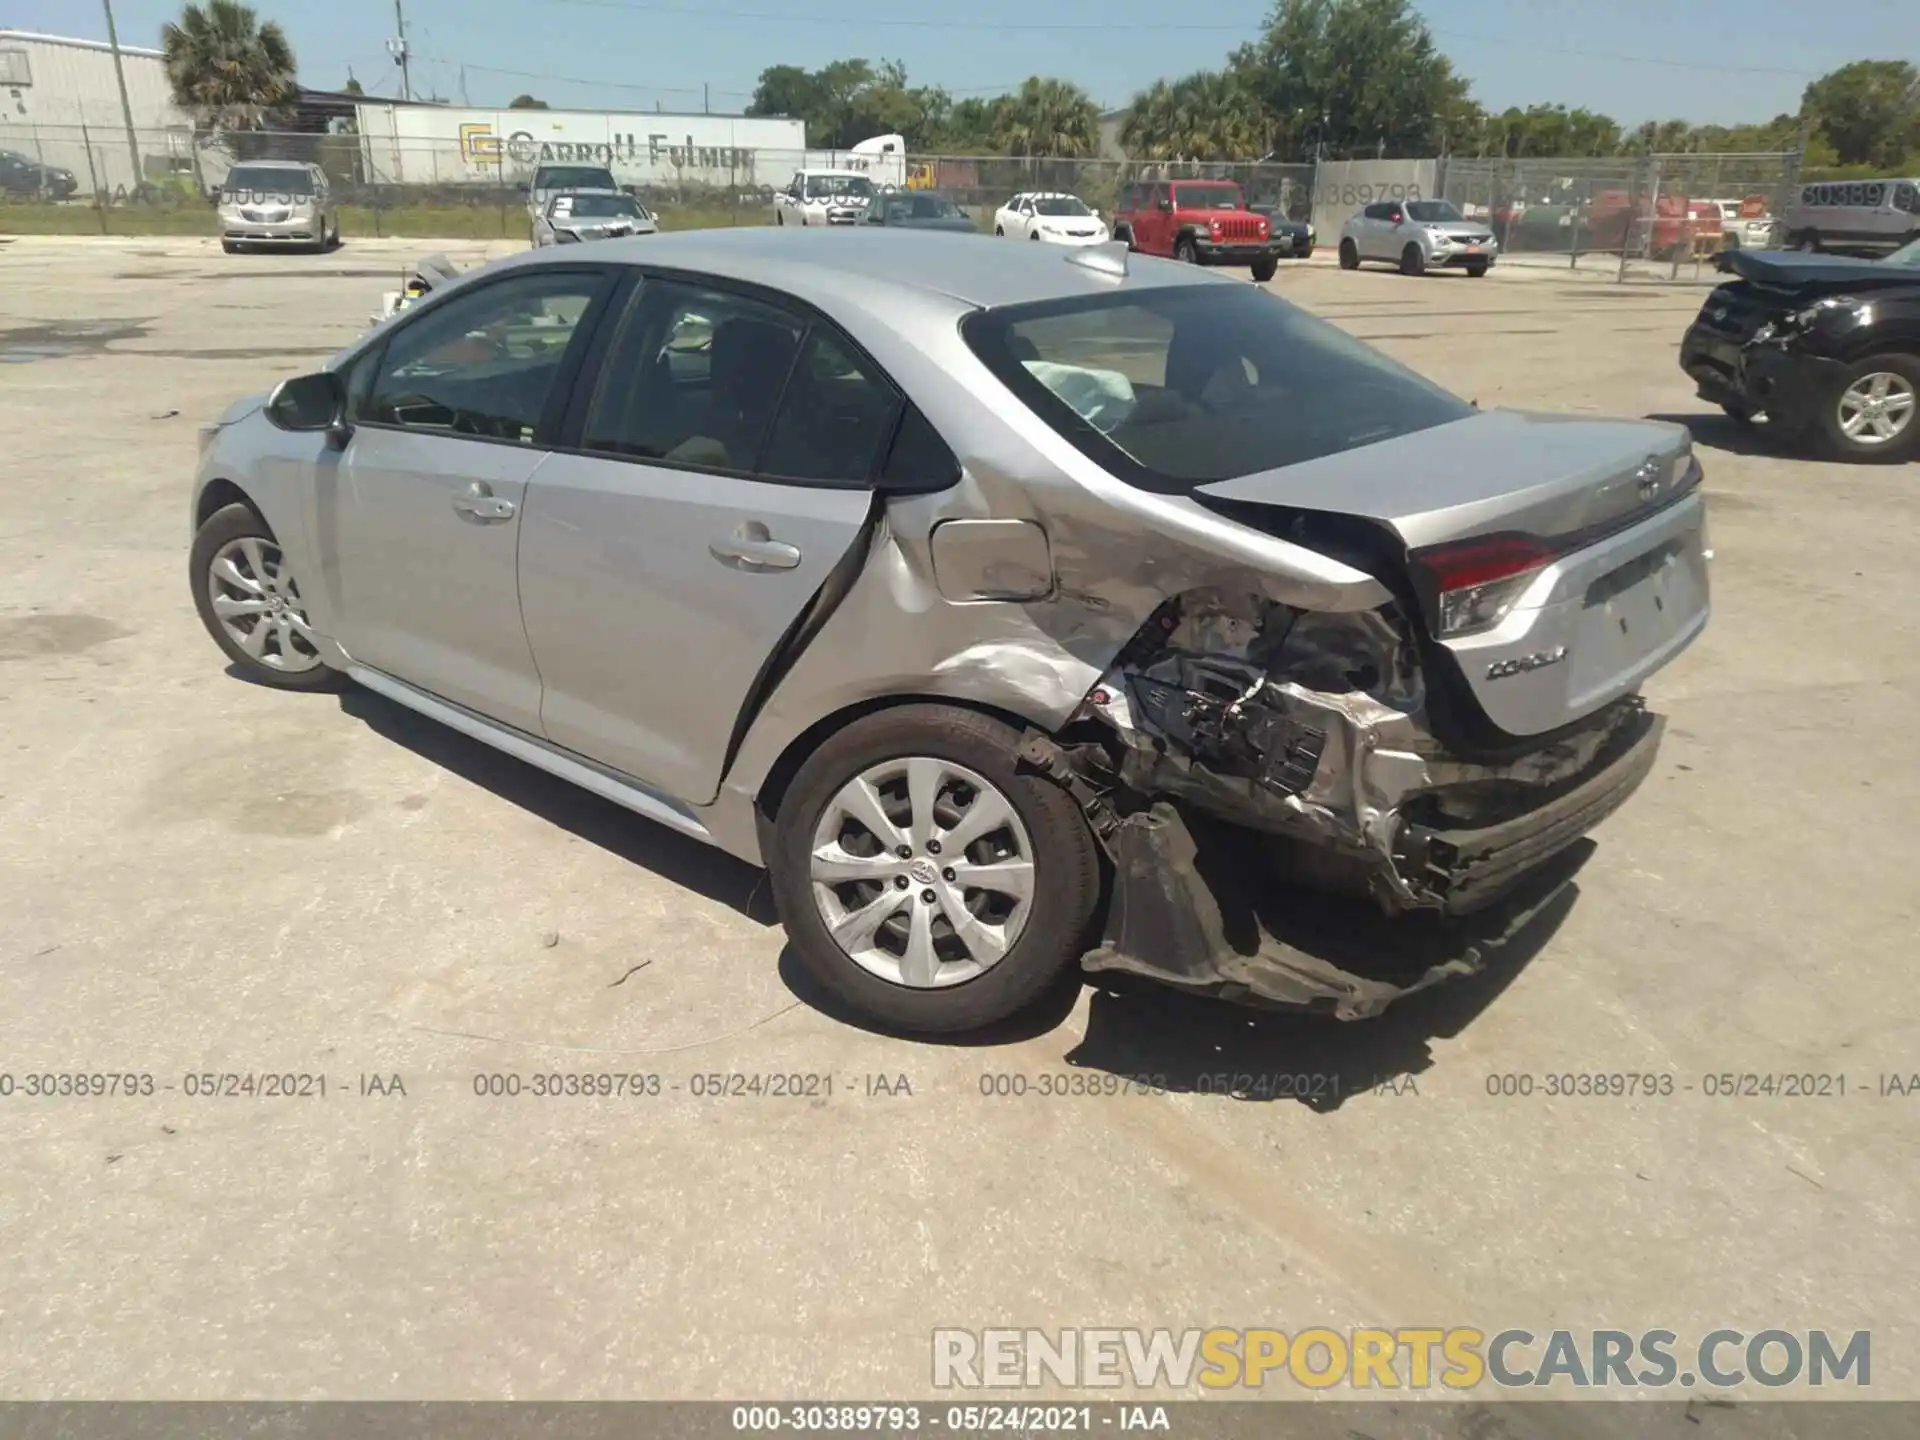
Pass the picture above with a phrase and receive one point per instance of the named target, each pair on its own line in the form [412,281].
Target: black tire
[1741,415]
[1125,236]
[780,218]
[1808,241]
[1413,261]
[1185,252]
[1904,446]
[1264,270]
[1066,878]
[1000,231]
[1349,255]
[1033,235]
[229,247]
[223,527]
[1476,272]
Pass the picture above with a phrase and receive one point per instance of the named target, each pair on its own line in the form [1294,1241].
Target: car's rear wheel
[927,880]
[1871,413]
[250,602]
[1349,255]
[1264,270]
[1413,261]
[1184,251]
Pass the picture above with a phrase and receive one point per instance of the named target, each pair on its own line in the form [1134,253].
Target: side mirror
[308,402]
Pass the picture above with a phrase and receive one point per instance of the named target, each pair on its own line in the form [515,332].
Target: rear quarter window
[1175,388]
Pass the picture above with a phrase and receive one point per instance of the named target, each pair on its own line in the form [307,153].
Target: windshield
[245,180]
[1171,389]
[922,207]
[839,187]
[1907,255]
[1061,205]
[596,207]
[573,177]
[1433,212]
[1207,197]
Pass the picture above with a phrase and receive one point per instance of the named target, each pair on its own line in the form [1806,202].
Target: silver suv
[1418,236]
[977,591]
[277,203]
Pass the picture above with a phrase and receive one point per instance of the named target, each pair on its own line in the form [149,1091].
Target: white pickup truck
[824,197]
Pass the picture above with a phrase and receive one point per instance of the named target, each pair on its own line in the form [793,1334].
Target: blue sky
[1721,60]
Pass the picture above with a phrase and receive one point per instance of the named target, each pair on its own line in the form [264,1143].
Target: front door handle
[751,547]
[478,502]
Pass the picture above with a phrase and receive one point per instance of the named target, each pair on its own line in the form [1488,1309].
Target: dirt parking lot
[206,877]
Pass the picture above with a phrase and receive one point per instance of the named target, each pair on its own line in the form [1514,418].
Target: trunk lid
[1622,587]
[1491,472]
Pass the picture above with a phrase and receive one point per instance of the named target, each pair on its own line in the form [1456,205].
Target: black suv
[1816,345]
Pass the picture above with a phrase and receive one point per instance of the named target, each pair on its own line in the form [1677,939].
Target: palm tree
[1208,115]
[1048,117]
[225,67]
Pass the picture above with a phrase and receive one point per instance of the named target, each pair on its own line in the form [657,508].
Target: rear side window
[919,459]
[1171,389]
[1907,198]
[833,419]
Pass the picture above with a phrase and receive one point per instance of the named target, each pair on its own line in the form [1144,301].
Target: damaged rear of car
[1426,736]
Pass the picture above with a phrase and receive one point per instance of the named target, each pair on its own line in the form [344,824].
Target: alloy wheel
[922,872]
[258,604]
[1877,408]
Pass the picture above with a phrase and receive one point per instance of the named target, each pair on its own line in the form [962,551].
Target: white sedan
[1051,217]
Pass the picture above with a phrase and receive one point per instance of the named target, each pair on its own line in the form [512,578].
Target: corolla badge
[1521,664]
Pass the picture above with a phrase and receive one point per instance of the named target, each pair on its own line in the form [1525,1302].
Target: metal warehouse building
[60,105]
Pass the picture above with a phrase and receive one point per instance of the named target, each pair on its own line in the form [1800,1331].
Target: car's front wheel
[1264,270]
[928,881]
[1871,415]
[1413,261]
[1477,272]
[1184,251]
[251,604]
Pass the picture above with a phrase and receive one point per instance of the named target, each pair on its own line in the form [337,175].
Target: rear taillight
[1474,583]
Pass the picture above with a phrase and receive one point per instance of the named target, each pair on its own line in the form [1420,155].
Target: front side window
[1433,212]
[483,364]
[1175,388]
[692,378]
[1207,197]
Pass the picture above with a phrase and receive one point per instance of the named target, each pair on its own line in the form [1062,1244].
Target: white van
[1878,216]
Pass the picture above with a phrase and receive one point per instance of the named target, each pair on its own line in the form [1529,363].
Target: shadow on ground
[1714,430]
[686,862]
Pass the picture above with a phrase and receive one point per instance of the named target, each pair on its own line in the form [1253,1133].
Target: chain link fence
[1651,217]
[1640,218]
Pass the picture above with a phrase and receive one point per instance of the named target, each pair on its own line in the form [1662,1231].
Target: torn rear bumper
[1470,867]
[1200,905]
[1194,907]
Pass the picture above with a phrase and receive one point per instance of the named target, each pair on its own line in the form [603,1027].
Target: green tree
[527,102]
[1048,117]
[1867,112]
[1359,76]
[1208,115]
[226,68]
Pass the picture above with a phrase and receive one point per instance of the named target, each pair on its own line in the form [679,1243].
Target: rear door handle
[478,502]
[751,547]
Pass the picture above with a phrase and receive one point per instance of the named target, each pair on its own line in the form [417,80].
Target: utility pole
[126,109]
[706,97]
[398,48]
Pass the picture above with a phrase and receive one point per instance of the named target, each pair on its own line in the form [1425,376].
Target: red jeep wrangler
[1203,222]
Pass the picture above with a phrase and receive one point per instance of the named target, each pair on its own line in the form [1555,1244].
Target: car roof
[272,165]
[868,269]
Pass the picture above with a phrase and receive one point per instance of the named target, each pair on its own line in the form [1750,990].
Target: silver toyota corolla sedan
[1019,609]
